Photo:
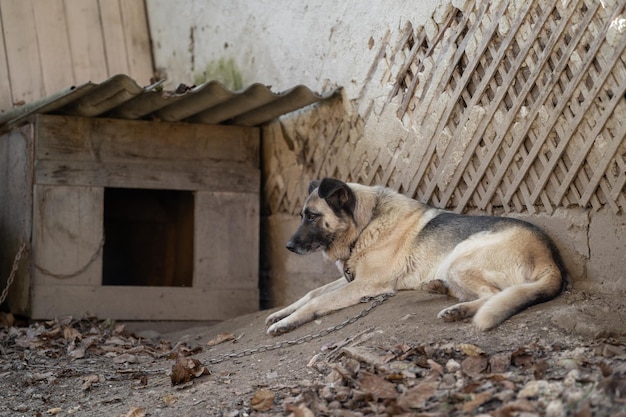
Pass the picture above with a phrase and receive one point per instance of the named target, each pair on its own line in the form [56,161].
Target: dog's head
[327,213]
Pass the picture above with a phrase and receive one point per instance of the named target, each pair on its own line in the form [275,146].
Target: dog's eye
[311,216]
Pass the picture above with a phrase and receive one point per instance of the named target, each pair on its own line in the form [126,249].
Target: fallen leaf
[135,412]
[6,320]
[116,341]
[476,401]
[169,399]
[77,353]
[185,369]
[88,381]
[70,333]
[376,386]
[540,368]
[473,365]
[416,397]
[515,407]
[300,410]
[522,358]
[471,350]
[435,366]
[499,363]
[221,338]
[263,400]
[125,358]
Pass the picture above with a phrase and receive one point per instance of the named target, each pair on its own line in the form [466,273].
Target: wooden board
[49,45]
[16,213]
[114,42]
[54,46]
[87,44]
[67,235]
[227,240]
[143,303]
[137,39]
[139,154]
[6,98]
[22,52]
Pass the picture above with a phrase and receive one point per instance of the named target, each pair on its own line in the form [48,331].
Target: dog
[383,242]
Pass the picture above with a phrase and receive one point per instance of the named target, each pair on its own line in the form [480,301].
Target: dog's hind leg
[281,314]
[462,311]
[471,286]
[516,298]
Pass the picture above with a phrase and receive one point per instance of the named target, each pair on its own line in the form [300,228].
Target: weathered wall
[502,107]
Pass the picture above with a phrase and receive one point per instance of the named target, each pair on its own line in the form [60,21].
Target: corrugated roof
[120,97]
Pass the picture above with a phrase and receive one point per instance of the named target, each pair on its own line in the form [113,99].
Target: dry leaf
[77,353]
[263,400]
[169,399]
[125,358]
[477,401]
[300,410]
[185,369]
[71,334]
[473,365]
[522,358]
[416,397]
[376,386]
[221,338]
[540,368]
[471,350]
[499,364]
[88,381]
[515,407]
[6,320]
[135,412]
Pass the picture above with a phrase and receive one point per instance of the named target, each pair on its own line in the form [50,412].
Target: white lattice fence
[518,104]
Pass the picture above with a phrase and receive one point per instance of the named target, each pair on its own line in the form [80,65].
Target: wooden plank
[54,44]
[166,175]
[137,38]
[6,97]
[226,240]
[16,212]
[107,140]
[86,43]
[22,51]
[114,38]
[142,303]
[67,235]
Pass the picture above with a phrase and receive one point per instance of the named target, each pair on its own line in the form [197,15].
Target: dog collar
[348,275]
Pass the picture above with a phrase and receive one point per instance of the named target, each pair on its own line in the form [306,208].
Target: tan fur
[492,273]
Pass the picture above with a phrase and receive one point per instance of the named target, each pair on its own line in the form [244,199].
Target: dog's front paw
[272,318]
[279,328]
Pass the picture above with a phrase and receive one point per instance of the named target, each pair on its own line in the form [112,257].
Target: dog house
[135,203]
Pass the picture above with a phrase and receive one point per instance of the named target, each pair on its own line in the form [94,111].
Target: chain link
[375,302]
[23,250]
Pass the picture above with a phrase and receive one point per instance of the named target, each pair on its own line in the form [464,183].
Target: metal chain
[23,249]
[375,302]
[78,271]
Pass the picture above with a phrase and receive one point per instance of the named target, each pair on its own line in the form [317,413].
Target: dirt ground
[563,358]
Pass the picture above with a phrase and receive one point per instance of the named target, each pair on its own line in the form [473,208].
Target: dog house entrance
[148,237]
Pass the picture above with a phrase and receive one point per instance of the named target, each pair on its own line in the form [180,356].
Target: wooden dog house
[136,204]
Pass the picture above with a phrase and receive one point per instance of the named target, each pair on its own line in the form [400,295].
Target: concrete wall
[354,45]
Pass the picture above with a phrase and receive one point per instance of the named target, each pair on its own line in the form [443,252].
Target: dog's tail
[499,307]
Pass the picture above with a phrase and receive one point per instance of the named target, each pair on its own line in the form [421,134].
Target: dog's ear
[338,195]
[313,185]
